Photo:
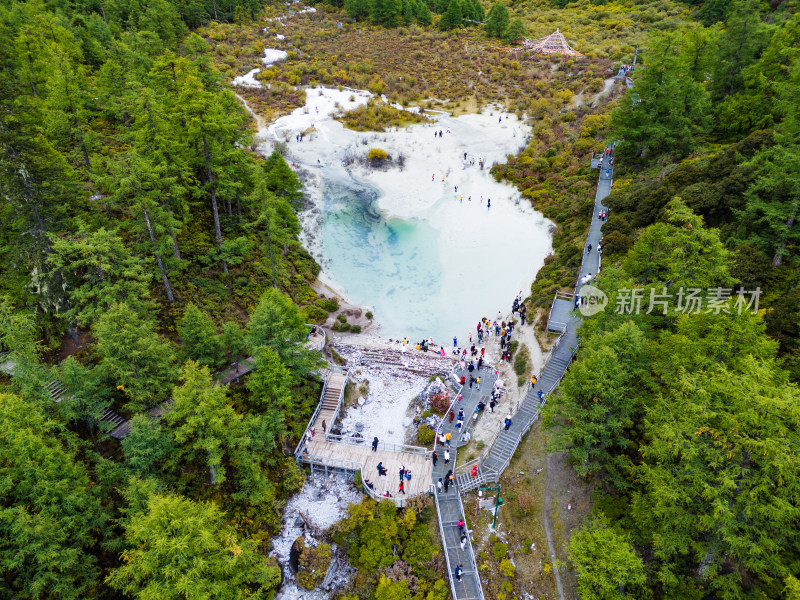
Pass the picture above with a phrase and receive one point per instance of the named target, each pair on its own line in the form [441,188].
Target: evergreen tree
[607,565]
[599,395]
[212,437]
[281,179]
[516,32]
[385,12]
[422,12]
[664,110]
[278,324]
[133,357]
[452,17]
[680,252]
[97,270]
[497,20]
[199,336]
[147,447]
[477,11]
[182,549]
[738,46]
[357,9]
[51,517]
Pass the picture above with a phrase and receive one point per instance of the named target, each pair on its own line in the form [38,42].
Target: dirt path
[608,85]
[548,529]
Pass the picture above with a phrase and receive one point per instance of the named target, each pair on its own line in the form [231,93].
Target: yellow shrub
[376,155]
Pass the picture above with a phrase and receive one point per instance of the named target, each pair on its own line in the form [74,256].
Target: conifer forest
[159,286]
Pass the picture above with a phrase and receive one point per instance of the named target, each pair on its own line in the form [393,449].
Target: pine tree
[97,270]
[133,357]
[51,518]
[357,9]
[182,549]
[665,109]
[606,563]
[385,12]
[497,20]
[199,336]
[516,32]
[452,17]
[277,323]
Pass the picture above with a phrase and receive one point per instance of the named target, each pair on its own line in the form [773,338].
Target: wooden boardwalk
[326,451]
[494,460]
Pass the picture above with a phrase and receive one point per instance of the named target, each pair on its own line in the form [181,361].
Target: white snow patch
[280,36]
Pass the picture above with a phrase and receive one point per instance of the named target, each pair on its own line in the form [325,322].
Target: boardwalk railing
[399,501]
[341,395]
[360,441]
[478,586]
[444,543]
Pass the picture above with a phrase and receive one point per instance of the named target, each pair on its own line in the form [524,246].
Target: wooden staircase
[330,401]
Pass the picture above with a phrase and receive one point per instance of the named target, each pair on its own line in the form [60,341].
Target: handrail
[340,400]
[319,347]
[479,586]
[444,542]
[314,416]
[390,447]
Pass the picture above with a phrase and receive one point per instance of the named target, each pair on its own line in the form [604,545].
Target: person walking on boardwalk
[401,489]
[374,444]
[446,484]
[455,342]
[533,380]
[447,457]
[460,526]
[452,416]
[463,541]
[324,427]
[450,477]
[459,572]
[508,423]
[402,473]
[439,485]
[381,470]
[435,458]
[478,381]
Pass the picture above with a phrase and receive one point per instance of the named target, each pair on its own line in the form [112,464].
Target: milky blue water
[390,264]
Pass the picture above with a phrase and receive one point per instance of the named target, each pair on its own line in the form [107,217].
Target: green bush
[313,314]
[342,318]
[344,327]
[328,304]
[499,550]
[336,326]
[522,365]
[368,315]
[356,329]
[425,435]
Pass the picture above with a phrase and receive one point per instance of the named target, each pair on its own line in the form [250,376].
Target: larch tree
[665,109]
[133,357]
[51,519]
[179,549]
[497,20]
